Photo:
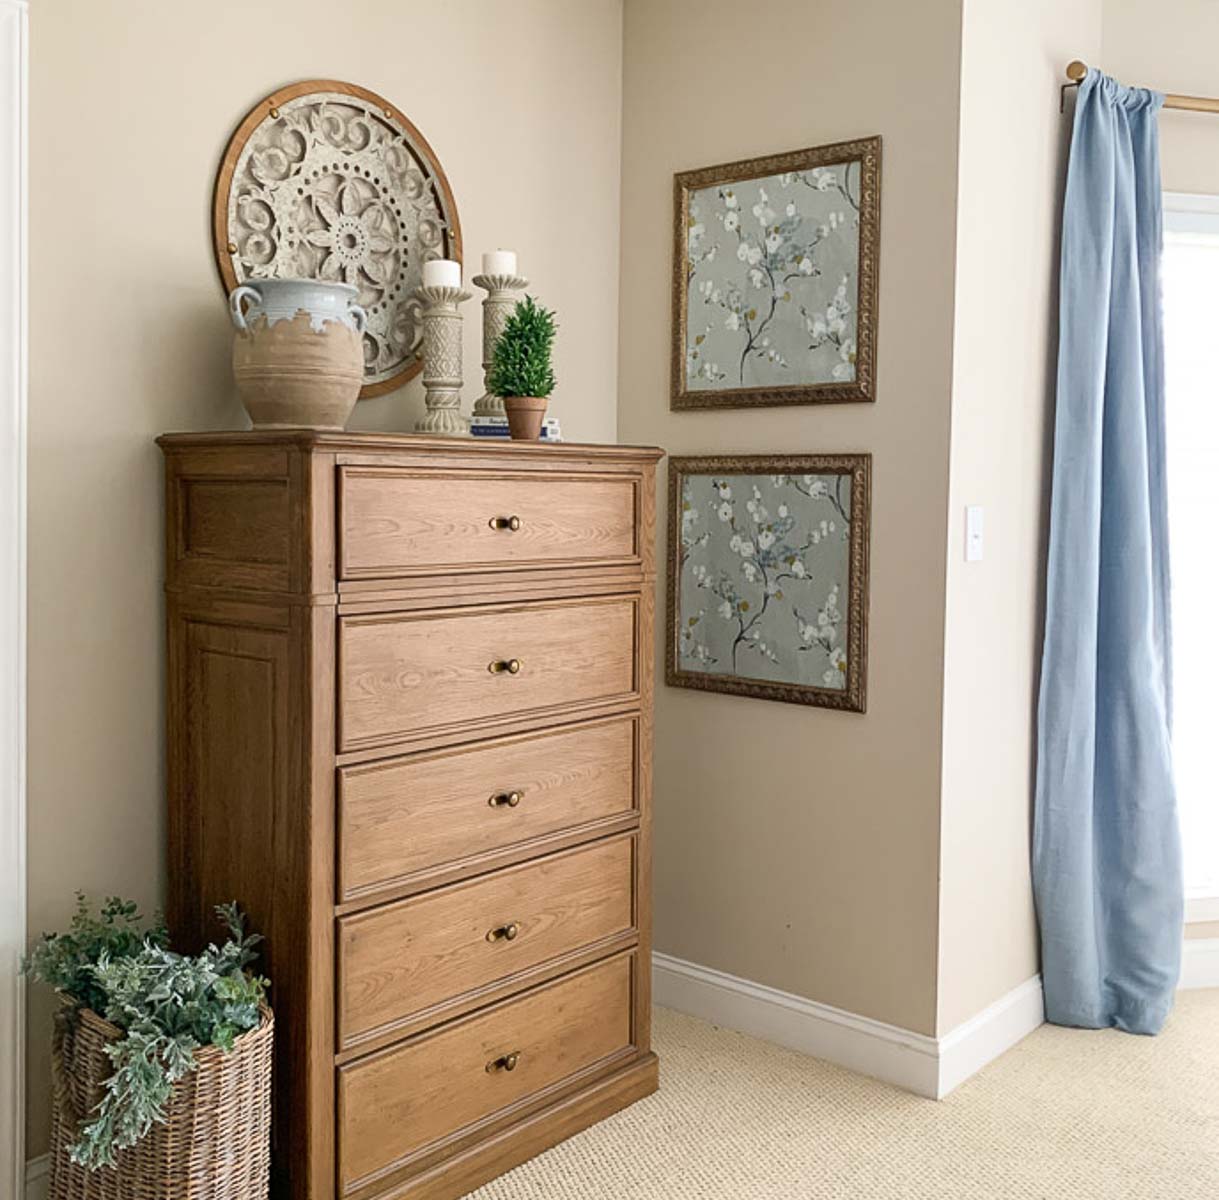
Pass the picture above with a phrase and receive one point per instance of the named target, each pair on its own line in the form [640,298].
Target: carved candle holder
[442,361]
[497,308]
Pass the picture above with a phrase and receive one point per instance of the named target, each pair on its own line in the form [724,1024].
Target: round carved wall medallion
[327,180]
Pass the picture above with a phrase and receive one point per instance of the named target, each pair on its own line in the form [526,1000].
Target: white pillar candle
[499,262]
[441,272]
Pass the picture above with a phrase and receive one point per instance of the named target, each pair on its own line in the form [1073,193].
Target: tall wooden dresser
[409,722]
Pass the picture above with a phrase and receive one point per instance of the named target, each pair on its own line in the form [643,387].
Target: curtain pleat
[1106,848]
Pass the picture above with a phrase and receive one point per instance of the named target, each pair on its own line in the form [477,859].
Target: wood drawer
[396,523]
[420,960]
[395,1104]
[409,675]
[410,815]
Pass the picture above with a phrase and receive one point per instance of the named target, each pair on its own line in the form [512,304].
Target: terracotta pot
[298,356]
[525,416]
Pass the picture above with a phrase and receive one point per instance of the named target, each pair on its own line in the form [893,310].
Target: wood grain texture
[401,676]
[642,1027]
[403,816]
[260,634]
[243,521]
[458,1172]
[240,832]
[397,522]
[412,449]
[429,953]
[228,517]
[395,1104]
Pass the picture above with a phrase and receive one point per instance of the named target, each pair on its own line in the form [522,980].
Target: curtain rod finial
[1076,70]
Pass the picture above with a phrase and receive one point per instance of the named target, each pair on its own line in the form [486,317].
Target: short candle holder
[442,361]
[497,308]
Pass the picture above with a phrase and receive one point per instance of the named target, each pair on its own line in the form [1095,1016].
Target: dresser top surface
[360,441]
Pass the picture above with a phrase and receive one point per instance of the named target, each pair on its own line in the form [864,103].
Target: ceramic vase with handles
[299,352]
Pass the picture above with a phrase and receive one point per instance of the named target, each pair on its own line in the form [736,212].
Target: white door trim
[14,169]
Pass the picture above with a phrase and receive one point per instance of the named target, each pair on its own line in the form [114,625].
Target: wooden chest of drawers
[409,719]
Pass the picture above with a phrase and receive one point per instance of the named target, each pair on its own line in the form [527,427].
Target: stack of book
[497,427]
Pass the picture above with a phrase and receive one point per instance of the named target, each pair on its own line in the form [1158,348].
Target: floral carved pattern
[330,182]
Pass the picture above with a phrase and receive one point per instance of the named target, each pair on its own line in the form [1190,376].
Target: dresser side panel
[250,733]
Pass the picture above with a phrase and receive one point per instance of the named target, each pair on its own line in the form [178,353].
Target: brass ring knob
[504,933]
[510,523]
[506,799]
[501,666]
[505,1062]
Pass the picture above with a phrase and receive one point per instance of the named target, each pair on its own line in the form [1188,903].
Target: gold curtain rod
[1077,70]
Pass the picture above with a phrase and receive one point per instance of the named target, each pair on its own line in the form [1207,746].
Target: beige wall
[132,103]
[1012,159]
[1171,45]
[798,847]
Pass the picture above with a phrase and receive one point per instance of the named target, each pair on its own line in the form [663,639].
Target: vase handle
[237,296]
[360,317]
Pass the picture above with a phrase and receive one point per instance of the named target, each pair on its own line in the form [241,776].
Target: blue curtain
[1106,846]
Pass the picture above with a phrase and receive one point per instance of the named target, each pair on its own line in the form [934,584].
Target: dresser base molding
[528,1137]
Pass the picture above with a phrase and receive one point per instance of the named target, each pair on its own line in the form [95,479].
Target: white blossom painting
[768,576]
[775,264]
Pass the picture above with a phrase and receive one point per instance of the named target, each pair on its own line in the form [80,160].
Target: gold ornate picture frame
[775,266]
[767,577]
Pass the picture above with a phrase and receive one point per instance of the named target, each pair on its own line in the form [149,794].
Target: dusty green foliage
[520,365]
[66,960]
[169,1005]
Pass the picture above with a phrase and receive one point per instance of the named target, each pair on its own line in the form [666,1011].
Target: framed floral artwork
[774,279]
[768,577]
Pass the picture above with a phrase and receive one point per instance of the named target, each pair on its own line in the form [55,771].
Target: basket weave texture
[215,1143]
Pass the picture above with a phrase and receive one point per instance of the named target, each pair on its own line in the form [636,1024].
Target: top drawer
[397,522]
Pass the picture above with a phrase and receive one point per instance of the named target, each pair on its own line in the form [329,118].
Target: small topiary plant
[520,365]
[168,1005]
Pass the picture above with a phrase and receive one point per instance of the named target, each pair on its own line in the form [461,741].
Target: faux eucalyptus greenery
[167,1004]
[520,365]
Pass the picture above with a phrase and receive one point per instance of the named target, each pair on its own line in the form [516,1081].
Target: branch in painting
[770,553]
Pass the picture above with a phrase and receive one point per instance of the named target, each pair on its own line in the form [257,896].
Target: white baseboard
[965,1050]
[925,1065]
[1200,963]
[38,1178]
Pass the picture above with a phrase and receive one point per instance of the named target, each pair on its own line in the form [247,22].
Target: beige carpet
[1067,1115]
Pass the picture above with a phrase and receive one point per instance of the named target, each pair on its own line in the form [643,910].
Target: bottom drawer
[395,1104]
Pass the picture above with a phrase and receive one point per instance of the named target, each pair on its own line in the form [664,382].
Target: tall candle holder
[497,307]
[442,360]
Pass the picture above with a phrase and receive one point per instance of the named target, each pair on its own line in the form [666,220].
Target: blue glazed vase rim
[294,281]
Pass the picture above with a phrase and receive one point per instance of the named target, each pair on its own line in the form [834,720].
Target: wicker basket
[216,1140]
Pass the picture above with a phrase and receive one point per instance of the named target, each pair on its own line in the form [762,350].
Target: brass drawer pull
[509,523]
[501,666]
[506,799]
[504,933]
[505,1062]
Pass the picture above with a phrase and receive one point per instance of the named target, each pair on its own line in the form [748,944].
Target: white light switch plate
[975,522]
